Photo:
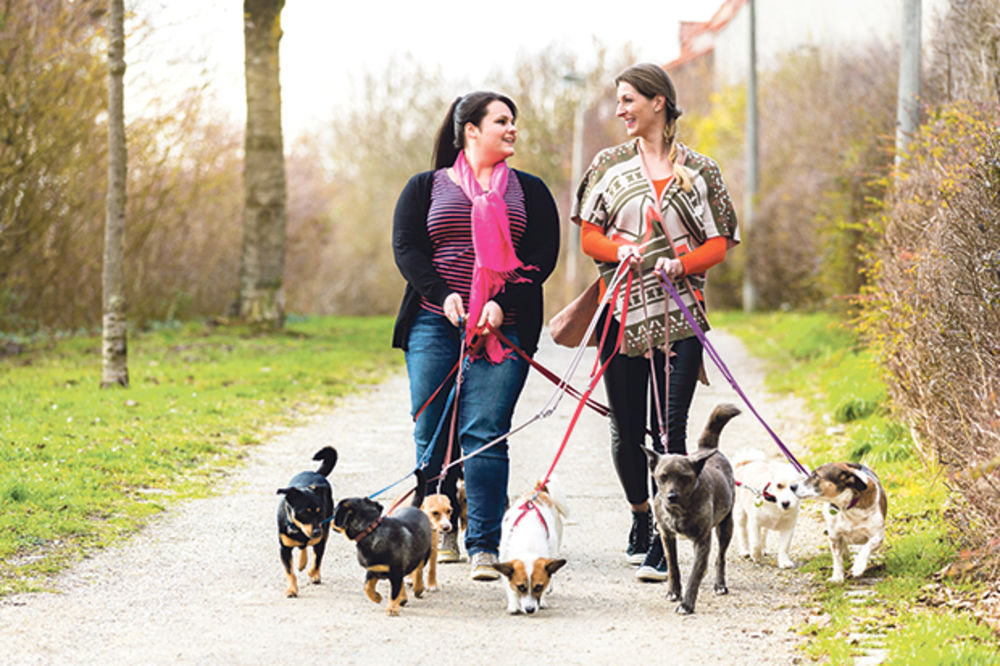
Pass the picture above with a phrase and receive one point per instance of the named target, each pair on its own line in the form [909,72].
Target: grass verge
[820,360]
[81,466]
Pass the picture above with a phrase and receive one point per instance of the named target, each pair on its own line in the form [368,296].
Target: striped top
[449,225]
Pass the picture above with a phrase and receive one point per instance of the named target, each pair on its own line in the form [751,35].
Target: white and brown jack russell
[855,511]
[530,538]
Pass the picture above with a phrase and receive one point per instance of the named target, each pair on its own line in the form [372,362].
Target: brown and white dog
[855,511]
[765,503]
[530,538]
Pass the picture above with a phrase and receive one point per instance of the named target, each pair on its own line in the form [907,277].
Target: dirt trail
[203,582]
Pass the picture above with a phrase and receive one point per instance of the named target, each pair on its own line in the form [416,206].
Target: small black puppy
[303,517]
[388,546]
[694,494]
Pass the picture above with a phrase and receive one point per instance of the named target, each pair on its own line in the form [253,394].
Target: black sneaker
[639,537]
[654,566]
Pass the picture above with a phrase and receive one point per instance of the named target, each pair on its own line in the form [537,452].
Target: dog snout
[785,504]
[673,497]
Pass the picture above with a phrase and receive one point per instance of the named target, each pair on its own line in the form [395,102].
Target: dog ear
[342,512]
[553,566]
[506,568]
[699,458]
[652,456]
[290,493]
[853,479]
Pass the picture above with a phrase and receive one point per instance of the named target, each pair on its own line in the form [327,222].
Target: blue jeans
[486,400]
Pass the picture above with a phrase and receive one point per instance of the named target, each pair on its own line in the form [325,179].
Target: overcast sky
[328,43]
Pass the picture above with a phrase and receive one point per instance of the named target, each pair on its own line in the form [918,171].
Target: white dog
[765,502]
[530,539]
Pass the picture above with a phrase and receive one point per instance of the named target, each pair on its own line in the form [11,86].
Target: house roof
[698,37]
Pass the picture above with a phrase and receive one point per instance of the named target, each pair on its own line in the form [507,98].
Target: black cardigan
[411,246]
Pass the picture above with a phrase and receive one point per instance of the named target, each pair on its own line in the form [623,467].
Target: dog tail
[554,489]
[328,455]
[421,490]
[716,422]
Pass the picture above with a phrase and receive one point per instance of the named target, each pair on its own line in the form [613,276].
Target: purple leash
[714,355]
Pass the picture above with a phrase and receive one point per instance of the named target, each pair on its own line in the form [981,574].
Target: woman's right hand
[453,309]
[630,254]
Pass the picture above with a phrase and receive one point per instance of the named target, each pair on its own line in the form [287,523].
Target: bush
[932,312]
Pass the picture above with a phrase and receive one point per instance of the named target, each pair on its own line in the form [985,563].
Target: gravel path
[203,582]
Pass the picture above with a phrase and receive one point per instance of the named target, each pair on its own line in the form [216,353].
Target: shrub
[932,311]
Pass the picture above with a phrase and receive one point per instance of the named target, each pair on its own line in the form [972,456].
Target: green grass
[80,466]
[820,360]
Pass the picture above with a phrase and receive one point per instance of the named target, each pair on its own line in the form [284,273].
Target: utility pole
[749,293]
[578,84]
[577,174]
[908,95]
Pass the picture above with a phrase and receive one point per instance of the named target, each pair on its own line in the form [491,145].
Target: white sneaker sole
[484,573]
[650,574]
[635,559]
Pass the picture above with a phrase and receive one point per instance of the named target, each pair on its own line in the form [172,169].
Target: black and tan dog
[388,546]
[303,517]
[694,495]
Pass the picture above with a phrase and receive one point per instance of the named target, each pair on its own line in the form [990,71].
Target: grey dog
[695,494]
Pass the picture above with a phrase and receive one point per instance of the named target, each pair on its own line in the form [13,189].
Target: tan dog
[437,507]
[855,510]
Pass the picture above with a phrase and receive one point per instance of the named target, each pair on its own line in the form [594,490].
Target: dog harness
[525,509]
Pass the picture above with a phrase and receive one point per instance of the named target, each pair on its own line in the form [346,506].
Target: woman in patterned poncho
[656,204]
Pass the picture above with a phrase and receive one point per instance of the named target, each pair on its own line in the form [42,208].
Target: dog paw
[720,589]
[837,578]
[291,593]
[786,564]
[392,612]
[683,609]
[674,596]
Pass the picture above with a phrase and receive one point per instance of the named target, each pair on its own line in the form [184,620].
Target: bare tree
[261,297]
[114,369]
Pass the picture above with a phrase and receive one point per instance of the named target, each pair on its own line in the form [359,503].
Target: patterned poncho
[617,194]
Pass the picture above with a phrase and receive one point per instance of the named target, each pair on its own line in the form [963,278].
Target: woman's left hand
[492,313]
[672,267]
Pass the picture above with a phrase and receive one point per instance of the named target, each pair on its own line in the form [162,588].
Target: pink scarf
[496,261]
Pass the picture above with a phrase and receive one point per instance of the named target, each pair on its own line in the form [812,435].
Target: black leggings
[627,384]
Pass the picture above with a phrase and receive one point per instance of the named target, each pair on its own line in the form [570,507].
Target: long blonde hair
[651,80]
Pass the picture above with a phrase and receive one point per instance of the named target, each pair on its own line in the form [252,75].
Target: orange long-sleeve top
[595,244]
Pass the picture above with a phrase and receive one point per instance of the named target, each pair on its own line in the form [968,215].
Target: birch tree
[261,297]
[114,369]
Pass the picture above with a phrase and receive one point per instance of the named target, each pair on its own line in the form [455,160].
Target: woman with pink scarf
[474,240]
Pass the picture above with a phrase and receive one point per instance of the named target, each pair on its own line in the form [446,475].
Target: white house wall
[791,25]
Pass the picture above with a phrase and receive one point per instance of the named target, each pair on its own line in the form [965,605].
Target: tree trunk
[114,367]
[262,265]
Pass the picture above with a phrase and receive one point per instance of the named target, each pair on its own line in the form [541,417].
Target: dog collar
[849,506]
[759,494]
[368,530]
